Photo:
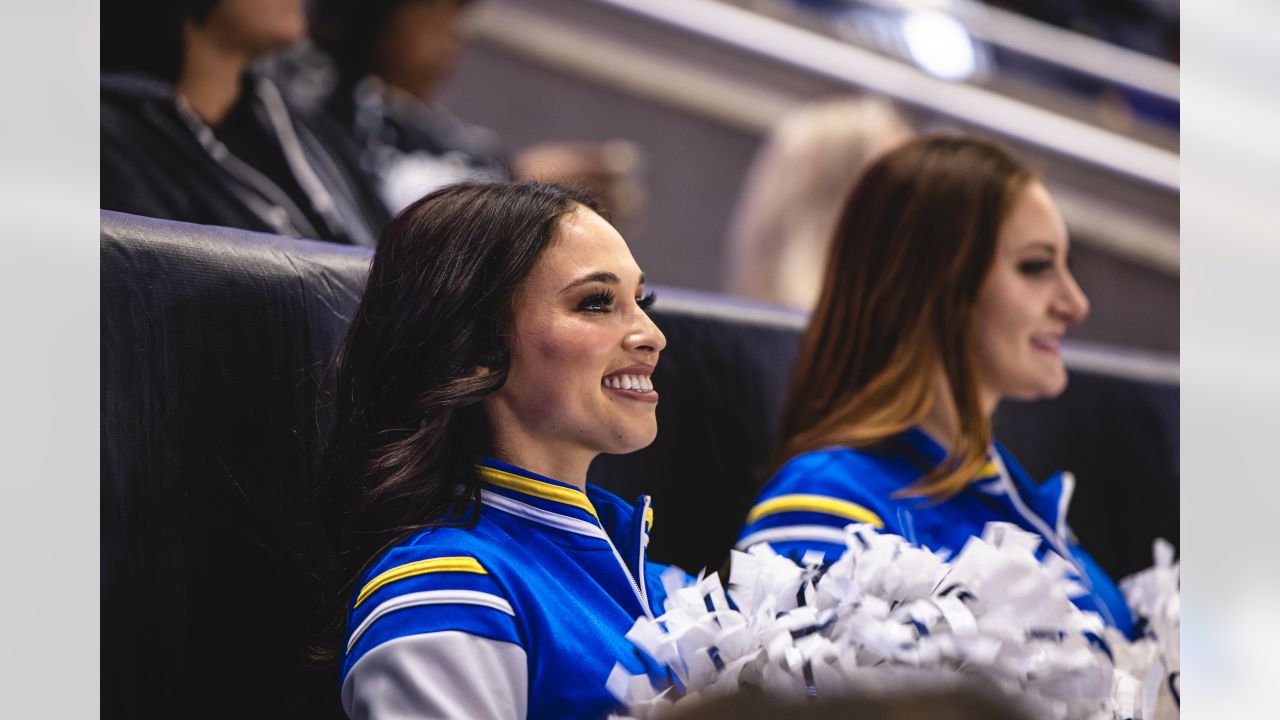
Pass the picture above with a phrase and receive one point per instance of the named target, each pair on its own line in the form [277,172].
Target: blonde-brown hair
[913,247]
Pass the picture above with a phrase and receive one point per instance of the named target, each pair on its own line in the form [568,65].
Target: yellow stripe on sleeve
[814,503]
[546,491]
[421,567]
[648,518]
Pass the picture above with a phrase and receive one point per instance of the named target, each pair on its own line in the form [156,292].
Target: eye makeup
[1035,267]
[602,301]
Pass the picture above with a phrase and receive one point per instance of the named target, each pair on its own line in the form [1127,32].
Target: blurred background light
[940,45]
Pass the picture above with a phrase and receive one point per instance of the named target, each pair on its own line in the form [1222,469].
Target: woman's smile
[633,383]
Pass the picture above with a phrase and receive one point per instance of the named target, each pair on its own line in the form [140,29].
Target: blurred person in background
[947,290]
[799,180]
[610,170]
[192,131]
[393,59]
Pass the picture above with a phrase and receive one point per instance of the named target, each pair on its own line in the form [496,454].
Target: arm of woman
[439,639]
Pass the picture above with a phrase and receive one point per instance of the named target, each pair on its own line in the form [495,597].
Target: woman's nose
[646,335]
[1072,303]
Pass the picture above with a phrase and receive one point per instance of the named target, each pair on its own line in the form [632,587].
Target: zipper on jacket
[644,544]
[635,586]
[546,517]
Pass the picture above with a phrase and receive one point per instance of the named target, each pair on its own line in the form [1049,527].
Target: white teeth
[637,383]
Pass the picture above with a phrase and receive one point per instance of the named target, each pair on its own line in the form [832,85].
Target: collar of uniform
[1048,499]
[614,512]
[1045,498]
[537,490]
[924,446]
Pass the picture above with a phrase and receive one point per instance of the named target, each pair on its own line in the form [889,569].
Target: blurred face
[582,353]
[256,27]
[420,45]
[1027,303]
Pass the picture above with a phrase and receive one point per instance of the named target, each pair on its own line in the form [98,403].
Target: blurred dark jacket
[413,145]
[266,167]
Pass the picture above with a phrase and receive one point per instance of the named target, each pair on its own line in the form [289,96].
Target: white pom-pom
[889,615]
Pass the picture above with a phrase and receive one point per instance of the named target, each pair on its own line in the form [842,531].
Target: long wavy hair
[911,252]
[427,344]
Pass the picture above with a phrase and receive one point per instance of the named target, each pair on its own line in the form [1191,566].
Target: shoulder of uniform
[837,470]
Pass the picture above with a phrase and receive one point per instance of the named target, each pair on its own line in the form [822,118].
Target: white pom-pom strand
[889,615]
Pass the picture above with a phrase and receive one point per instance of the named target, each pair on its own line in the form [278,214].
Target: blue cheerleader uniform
[522,616]
[805,505]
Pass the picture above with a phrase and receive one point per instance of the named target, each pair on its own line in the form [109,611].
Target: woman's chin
[639,439]
[1050,390]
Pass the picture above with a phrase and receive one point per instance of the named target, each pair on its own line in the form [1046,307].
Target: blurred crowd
[322,120]
[316,120]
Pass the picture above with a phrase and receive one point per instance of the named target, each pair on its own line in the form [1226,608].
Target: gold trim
[814,503]
[420,567]
[537,488]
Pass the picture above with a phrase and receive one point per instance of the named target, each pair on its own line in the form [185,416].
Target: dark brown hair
[438,305]
[146,36]
[350,31]
[912,249]
[408,428]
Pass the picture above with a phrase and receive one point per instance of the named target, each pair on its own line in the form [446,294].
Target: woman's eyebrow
[605,277]
[1040,245]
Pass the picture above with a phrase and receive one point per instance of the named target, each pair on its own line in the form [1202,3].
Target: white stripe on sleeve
[448,674]
[430,597]
[798,533]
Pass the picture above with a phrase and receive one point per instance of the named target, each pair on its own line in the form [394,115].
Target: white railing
[802,48]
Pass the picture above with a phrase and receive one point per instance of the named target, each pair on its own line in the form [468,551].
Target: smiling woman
[583,349]
[501,344]
[947,290]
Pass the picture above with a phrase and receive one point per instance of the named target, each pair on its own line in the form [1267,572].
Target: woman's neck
[211,73]
[567,467]
[942,422]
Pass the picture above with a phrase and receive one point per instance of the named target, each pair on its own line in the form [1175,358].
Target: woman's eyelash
[597,302]
[602,301]
[1035,267]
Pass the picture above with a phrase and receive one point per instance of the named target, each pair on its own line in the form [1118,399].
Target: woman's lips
[1051,344]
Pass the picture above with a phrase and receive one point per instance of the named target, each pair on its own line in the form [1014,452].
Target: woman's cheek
[570,350]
